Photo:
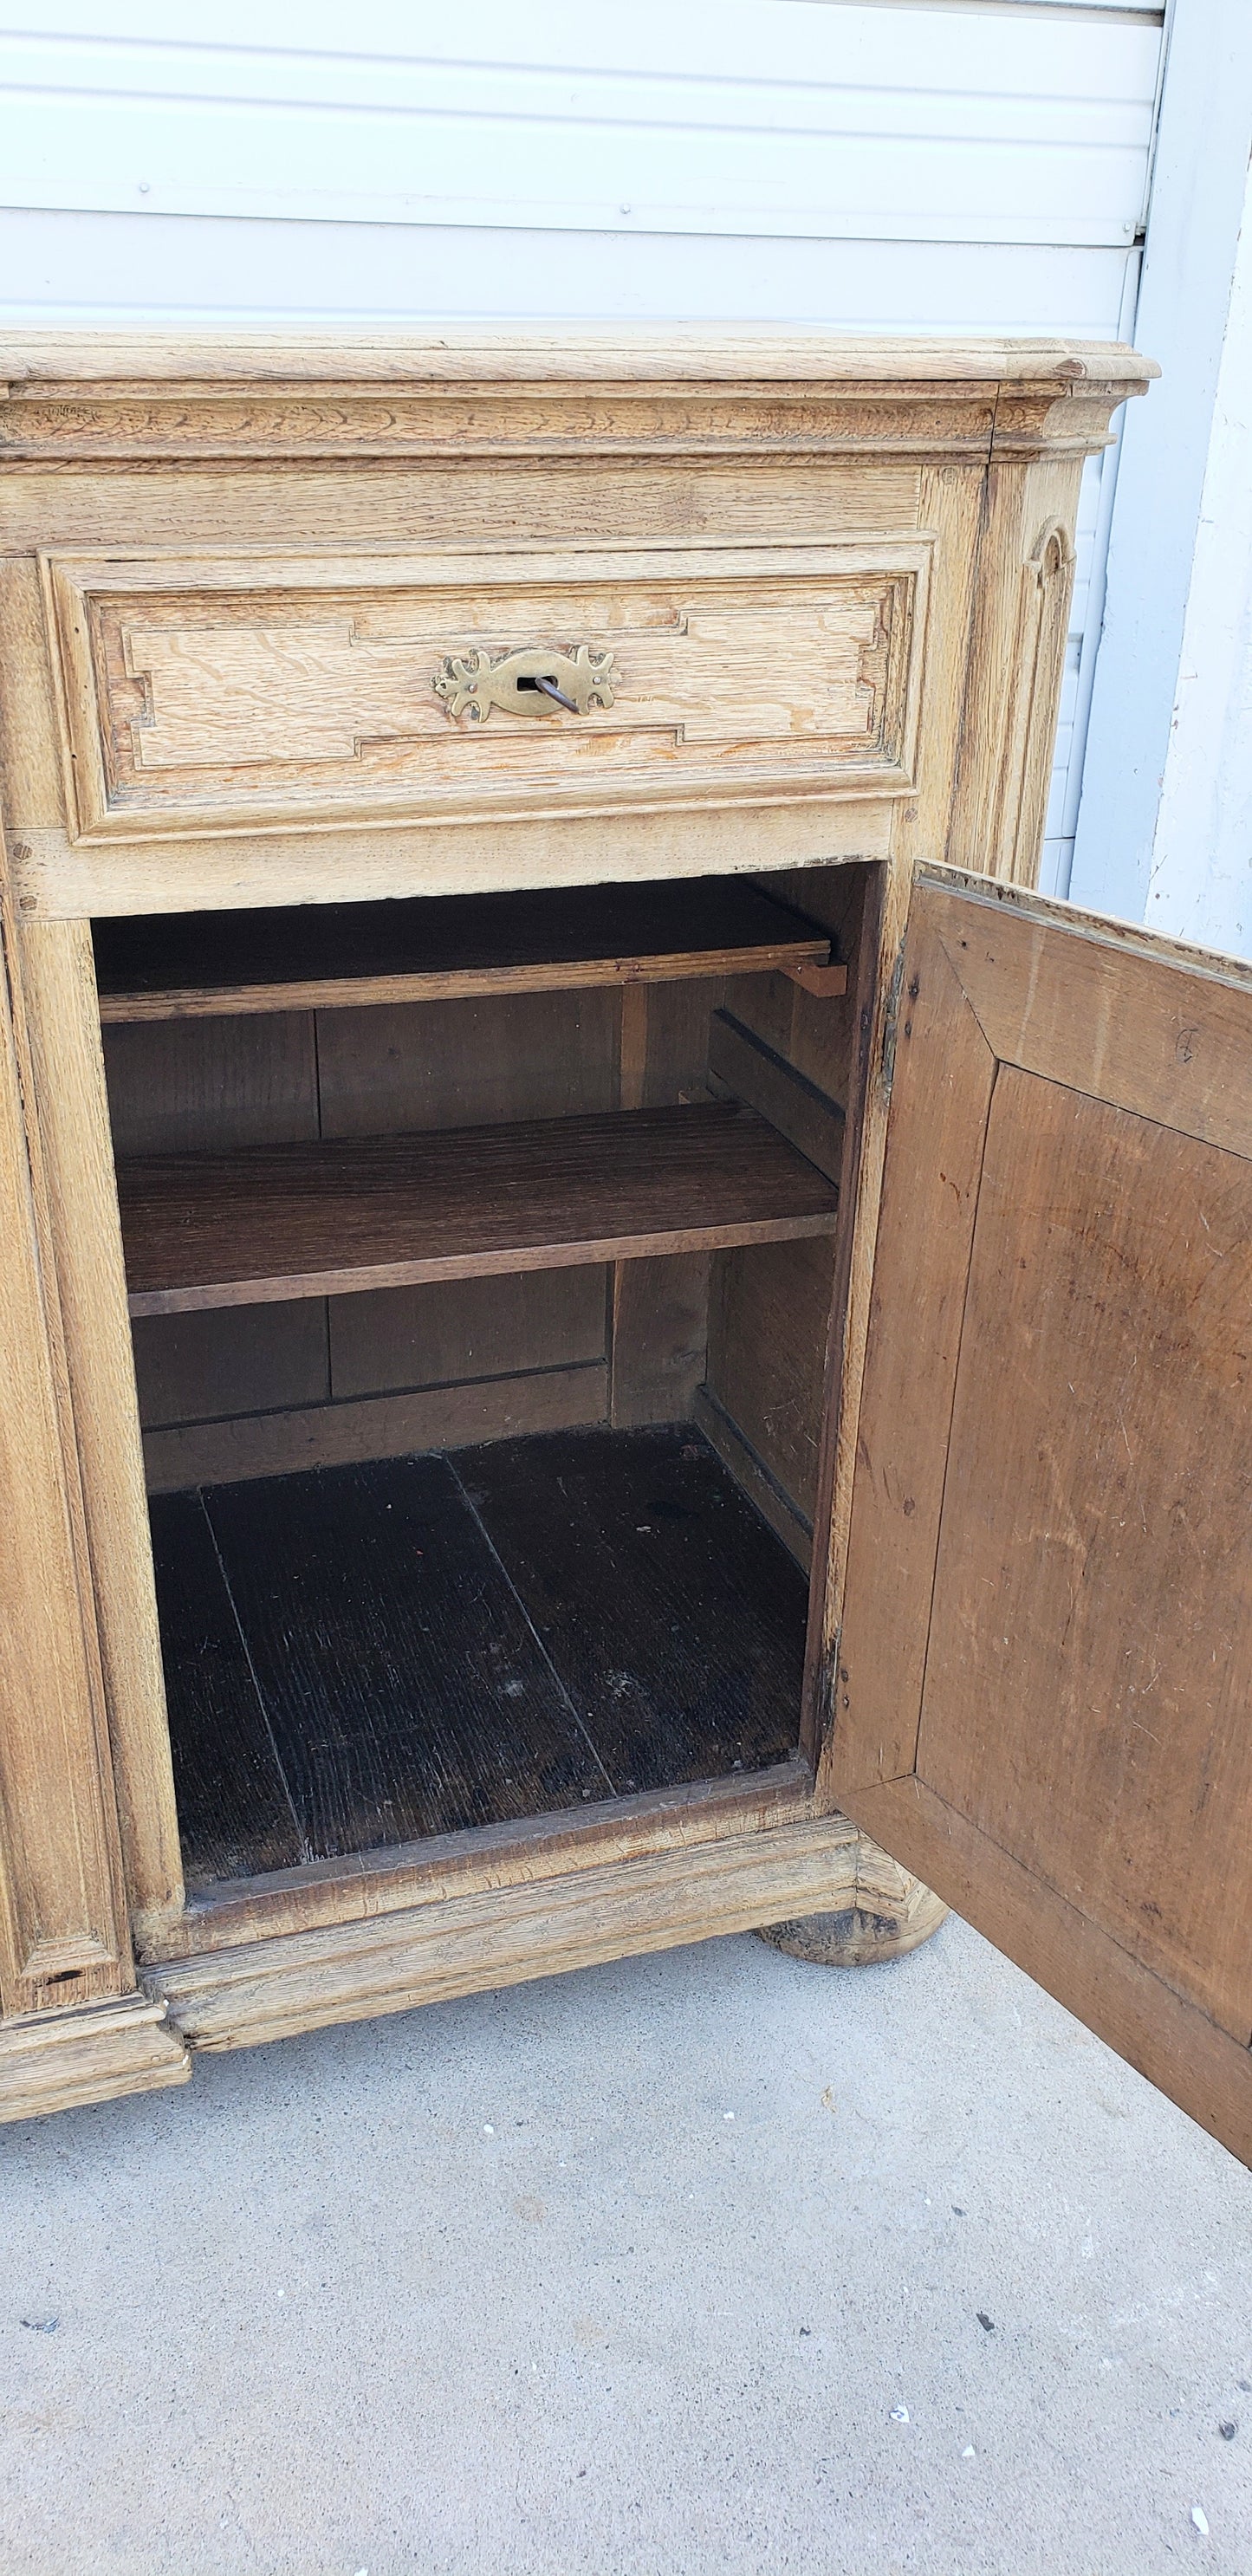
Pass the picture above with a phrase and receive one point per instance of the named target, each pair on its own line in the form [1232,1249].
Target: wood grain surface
[659,1338]
[1040,1693]
[365,1656]
[392,1211]
[457,1330]
[187,965]
[356,1429]
[67,1097]
[56,2061]
[257,692]
[469,1063]
[532,1923]
[234,1808]
[187,1087]
[929,1200]
[223,1361]
[751,1071]
[63,1930]
[769,1312]
[671,1611]
[403,1684]
[640,465]
[548,354]
[1104,1524]
[323,1893]
[1158,1032]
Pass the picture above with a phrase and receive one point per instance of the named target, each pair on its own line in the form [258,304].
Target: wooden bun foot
[877,1912]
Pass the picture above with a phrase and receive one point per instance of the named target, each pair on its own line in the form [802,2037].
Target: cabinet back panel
[230,1359]
[182,1086]
[286,1076]
[467,1064]
[461,1329]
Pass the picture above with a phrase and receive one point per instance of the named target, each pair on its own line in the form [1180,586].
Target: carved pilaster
[63,1928]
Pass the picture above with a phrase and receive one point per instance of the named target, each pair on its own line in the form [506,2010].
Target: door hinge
[891,1025]
[828,1691]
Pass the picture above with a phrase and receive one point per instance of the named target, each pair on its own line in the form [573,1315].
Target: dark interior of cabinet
[481,1257]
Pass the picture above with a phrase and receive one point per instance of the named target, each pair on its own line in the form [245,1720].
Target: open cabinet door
[1043,1702]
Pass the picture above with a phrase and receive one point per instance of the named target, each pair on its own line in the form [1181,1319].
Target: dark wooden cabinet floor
[360,1656]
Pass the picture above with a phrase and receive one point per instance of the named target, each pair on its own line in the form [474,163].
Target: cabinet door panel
[1041,1698]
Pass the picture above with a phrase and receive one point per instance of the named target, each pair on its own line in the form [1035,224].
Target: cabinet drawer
[263,693]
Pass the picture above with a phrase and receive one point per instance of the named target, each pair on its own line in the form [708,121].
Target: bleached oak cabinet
[598,1301]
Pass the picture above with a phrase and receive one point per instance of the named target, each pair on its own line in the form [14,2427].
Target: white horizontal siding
[884,166]
[82,268]
[856,123]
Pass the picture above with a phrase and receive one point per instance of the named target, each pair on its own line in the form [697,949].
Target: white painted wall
[872,165]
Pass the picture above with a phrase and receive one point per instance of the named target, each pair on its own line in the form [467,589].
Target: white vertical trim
[1196,209]
[1201,884]
[1057,880]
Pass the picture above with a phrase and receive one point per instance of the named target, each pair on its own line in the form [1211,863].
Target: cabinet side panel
[767,1347]
[179,1086]
[789,1054]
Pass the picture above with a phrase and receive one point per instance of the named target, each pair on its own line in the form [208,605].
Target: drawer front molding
[268,694]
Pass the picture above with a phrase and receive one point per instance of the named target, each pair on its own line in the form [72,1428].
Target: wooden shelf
[275,1222]
[206,965]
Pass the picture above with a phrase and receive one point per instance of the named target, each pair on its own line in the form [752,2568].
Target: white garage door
[945,165]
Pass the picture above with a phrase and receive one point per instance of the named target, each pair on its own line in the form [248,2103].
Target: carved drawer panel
[263,693]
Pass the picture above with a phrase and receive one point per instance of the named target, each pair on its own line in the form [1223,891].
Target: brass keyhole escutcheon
[537,680]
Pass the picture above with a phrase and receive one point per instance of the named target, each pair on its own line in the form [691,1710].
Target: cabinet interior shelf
[268,1223]
[439,948]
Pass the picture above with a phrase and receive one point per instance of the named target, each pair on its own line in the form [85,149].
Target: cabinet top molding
[544,393]
[541,356]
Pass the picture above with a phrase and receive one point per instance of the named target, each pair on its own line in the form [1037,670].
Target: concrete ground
[706,2261]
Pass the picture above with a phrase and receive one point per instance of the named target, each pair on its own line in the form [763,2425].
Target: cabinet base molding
[297,1981]
[56,2061]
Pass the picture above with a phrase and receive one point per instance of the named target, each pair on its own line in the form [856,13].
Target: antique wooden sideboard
[598,1302]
